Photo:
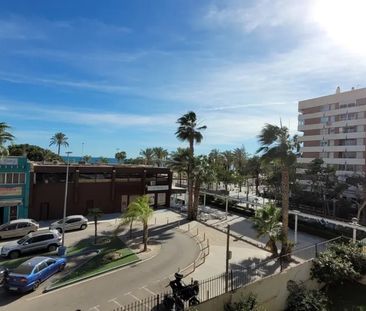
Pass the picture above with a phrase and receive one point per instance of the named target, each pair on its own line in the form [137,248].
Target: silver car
[17,228]
[48,240]
[73,222]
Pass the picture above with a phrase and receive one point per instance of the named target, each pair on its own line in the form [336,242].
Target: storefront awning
[5,203]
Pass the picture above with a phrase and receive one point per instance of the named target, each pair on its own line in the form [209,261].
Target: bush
[302,299]
[246,303]
[340,263]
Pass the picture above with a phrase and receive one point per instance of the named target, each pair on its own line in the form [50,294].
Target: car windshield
[24,268]
[22,240]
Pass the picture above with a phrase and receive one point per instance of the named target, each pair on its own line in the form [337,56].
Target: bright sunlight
[343,21]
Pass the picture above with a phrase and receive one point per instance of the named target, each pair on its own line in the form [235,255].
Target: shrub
[246,303]
[302,299]
[340,263]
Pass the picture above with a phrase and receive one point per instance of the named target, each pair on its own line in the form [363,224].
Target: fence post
[316,250]
[231,278]
[207,295]
[204,236]
[197,231]
[157,302]
[155,220]
[167,220]
[189,227]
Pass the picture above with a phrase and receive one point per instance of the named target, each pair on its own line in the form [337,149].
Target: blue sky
[117,74]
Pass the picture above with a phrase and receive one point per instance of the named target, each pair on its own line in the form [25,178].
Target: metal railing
[239,275]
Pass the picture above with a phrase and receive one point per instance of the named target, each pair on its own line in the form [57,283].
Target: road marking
[148,290]
[96,308]
[133,296]
[115,301]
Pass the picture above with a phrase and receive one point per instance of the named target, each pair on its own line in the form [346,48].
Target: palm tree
[103,160]
[278,147]
[178,162]
[267,222]
[160,155]
[138,210]
[148,155]
[87,158]
[5,136]
[59,139]
[120,156]
[189,130]
[254,169]
[95,213]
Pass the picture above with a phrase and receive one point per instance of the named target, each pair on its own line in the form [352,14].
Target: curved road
[120,287]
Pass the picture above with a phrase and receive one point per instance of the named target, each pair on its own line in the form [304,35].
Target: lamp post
[63,249]
[296,219]
[354,222]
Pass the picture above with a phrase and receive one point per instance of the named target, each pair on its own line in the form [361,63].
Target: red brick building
[110,188]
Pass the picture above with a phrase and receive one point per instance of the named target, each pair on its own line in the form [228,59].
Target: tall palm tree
[160,155]
[95,213]
[267,222]
[148,155]
[120,156]
[138,210]
[5,136]
[277,146]
[189,130]
[59,139]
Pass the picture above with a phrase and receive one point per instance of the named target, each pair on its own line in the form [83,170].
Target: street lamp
[63,249]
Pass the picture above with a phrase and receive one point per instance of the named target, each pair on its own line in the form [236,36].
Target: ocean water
[93,160]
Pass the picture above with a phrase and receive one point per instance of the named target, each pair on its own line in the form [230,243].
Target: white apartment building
[334,129]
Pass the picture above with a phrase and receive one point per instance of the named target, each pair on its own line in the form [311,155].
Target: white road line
[115,301]
[148,290]
[133,296]
[96,308]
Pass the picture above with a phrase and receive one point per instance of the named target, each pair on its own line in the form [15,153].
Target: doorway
[44,211]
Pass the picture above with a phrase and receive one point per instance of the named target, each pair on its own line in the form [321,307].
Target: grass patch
[99,263]
[348,297]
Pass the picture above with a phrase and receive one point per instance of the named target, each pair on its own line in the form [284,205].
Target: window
[50,262]
[323,143]
[23,225]
[9,178]
[42,266]
[324,119]
[10,227]
[2,178]
[342,106]
[325,108]
[70,221]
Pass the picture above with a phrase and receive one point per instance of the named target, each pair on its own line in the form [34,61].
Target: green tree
[160,155]
[148,156]
[5,137]
[59,139]
[254,170]
[138,210]
[33,153]
[267,223]
[103,160]
[87,158]
[95,213]
[189,130]
[120,156]
[240,163]
[277,146]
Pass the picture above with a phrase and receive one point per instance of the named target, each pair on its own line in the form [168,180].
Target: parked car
[71,223]
[28,275]
[3,274]
[48,240]
[19,227]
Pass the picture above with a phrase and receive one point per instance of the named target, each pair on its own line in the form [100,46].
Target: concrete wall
[271,291]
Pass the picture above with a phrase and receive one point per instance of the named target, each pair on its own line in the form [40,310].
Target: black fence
[239,275]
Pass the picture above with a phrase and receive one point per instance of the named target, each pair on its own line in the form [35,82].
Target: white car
[73,222]
[17,228]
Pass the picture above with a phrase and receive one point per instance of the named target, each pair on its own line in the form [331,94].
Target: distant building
[14,188]
[334,128]
[110,188]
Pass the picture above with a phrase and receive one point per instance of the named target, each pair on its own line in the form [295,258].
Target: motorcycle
[181,293]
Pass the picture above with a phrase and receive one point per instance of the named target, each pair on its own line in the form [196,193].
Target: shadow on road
[9,297]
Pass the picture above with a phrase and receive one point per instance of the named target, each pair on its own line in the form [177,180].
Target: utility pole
[65,201]
[228,257]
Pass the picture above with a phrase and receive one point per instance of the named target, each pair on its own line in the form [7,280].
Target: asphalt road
[117,288]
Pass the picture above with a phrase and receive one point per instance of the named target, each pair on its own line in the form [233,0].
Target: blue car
[31,273]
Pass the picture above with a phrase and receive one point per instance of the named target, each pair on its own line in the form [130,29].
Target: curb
[49,289]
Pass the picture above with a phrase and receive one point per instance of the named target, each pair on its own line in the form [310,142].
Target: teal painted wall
[15,165]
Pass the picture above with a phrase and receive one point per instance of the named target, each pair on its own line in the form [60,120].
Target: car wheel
[83,227]
[36,284]
[51,248]
[14,254]
[61,268]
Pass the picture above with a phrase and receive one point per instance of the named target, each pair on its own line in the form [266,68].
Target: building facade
[110,188]
[334,129]
[14,188]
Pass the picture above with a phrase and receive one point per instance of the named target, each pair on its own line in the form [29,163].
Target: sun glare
[343,21]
